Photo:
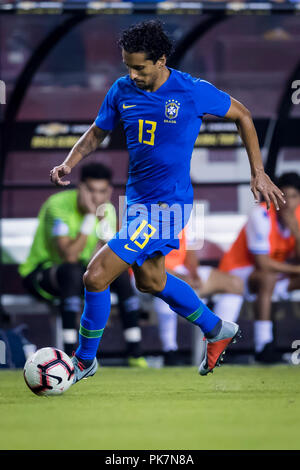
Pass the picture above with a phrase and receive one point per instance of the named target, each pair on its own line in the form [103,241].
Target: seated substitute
[67,236]
[258,257]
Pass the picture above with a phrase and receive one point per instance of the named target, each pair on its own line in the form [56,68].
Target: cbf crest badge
[171,109]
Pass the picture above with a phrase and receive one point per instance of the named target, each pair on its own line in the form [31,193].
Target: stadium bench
[220,231]
[17,236]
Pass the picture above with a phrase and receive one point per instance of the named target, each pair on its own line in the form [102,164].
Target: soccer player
[258,257]
[67,236]
[161,110]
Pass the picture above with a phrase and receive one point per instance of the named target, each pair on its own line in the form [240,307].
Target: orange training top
[177,257]
[280,247]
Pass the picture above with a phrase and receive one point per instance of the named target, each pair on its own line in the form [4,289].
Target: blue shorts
[148,230]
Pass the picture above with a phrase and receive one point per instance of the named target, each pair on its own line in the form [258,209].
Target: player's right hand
[85,199]
[59,172]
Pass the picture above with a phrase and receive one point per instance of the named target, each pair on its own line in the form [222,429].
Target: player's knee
[144,287]
[94,281]
[70,273]
[236,285]
[268,281]
[150,286]
[69,278]
[69,268]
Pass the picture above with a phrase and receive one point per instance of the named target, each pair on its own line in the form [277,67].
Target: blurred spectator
[68,235]
[258,256]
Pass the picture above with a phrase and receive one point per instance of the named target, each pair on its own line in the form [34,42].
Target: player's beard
[142,85]
[139,84]
[146,86]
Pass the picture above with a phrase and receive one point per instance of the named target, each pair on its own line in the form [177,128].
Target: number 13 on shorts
[146,235]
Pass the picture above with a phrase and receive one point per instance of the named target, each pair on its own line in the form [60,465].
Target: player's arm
[260,182]
[290,220]
[191,263]
[258,235]
[87,143]
[267,264]
[297,245]
[69,249]
[183,277]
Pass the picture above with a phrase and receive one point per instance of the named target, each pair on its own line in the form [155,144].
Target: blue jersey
[161,128]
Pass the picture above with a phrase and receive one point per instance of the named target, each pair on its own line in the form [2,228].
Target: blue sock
[95,315]
[184,301]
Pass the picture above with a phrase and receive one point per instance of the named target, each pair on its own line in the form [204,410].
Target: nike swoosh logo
[127,248]
[128,106]
[59,379]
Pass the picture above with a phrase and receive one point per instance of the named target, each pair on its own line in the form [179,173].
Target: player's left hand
[262,184]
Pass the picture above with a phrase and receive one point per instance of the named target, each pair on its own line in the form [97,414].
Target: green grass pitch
[171,408]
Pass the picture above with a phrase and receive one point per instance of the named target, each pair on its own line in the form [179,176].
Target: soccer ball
[49,371]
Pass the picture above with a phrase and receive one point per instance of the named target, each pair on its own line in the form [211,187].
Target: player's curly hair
[95,170]
[149,37]
[291,179]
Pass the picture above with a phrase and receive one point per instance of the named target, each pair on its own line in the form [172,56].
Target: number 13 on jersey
[149,128]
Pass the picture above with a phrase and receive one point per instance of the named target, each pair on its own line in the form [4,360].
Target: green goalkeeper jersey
[60,216]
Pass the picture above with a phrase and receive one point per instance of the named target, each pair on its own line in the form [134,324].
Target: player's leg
[149,279]
[167,325]
[37,283]
[102,270]
[65,283]
[152,277]
[262,284]
[129,306]
[228,305]
[230,288]
[68,279]
[265,286]
[167,329]
[294,283]
[220,282]
[213,281]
